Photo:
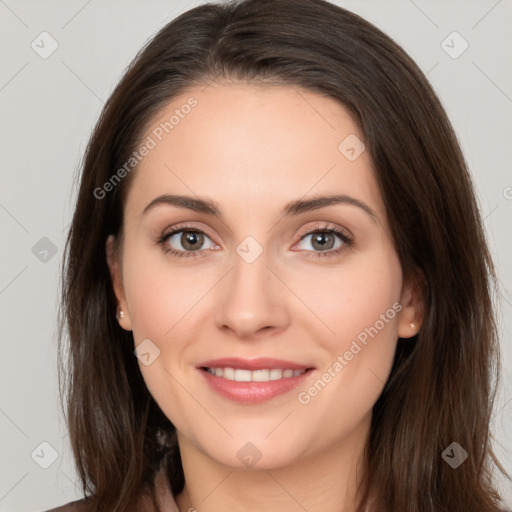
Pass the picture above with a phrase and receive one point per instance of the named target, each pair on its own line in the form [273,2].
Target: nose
[252,300]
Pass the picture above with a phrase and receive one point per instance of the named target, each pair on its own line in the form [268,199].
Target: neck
[324,481]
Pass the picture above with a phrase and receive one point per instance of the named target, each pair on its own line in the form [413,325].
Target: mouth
[253,381]
[263,375]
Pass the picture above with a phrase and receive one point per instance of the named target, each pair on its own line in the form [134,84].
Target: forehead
[252,146]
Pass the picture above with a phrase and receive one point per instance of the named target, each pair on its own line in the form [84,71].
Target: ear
[412,307]
[116,275]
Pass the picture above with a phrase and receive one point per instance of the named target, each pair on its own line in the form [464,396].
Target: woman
[277,285]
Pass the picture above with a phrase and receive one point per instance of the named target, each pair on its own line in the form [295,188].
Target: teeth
[227,373]
[254,376]
[242,375]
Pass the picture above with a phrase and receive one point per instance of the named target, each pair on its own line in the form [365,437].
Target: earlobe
[410,317]
[117,283]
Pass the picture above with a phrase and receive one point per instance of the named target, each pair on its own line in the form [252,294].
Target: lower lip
[253,392]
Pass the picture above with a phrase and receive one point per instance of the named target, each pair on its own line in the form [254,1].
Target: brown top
[165,498]
[74,506]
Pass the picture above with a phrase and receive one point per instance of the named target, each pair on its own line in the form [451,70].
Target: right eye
[184,242]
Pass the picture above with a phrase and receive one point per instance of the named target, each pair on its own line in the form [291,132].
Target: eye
[186,241]
[322,241]
[189,242]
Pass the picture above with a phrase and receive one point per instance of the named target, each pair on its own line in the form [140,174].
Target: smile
[263,375]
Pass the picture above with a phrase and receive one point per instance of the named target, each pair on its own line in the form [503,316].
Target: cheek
[158,295]
[353,297]
[164,304]
[361,307]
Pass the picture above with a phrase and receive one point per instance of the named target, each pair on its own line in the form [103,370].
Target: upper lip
[259,363]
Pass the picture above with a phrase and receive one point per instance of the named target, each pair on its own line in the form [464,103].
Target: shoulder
[82,505]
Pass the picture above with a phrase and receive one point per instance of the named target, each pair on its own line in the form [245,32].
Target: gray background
[48,107]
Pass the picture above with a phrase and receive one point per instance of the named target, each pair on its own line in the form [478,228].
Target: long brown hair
[442,384]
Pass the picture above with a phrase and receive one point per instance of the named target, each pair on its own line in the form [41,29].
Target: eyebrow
[291,209]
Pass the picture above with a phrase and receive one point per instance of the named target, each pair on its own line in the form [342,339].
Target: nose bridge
[251,298]
[251,278]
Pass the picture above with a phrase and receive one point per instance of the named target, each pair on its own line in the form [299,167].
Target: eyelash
[347,241]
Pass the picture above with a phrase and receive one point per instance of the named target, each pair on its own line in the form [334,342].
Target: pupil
[192,239]
[320,238]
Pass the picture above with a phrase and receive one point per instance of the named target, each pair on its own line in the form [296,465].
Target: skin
[252,149]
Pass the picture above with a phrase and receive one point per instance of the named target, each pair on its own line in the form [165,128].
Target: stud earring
[412,325]
[120,314]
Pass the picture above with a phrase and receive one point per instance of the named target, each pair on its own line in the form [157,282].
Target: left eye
[324,240]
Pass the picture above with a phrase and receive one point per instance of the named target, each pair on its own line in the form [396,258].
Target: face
[259,272]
